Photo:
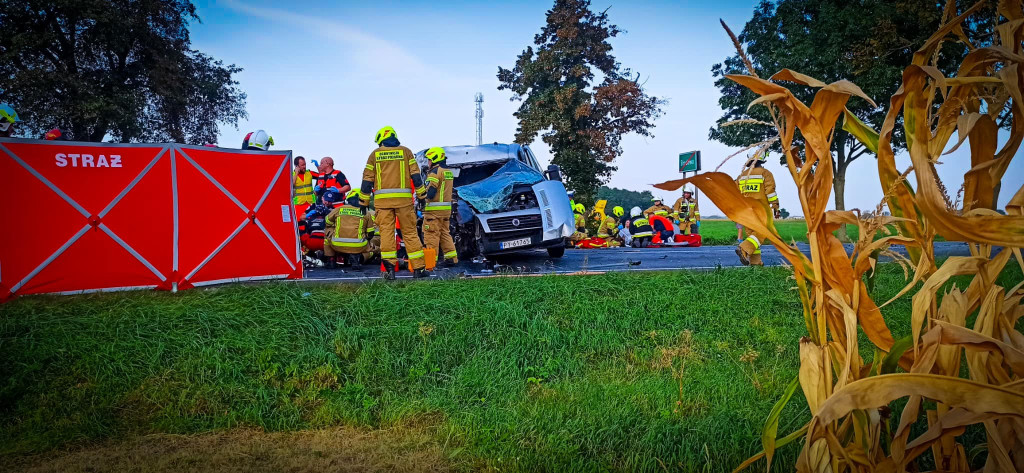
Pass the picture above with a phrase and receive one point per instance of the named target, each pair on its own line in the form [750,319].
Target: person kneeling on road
[581,224]
[313,226]
[346,227]
[437,209]
[389,170]
[639,228]
[608,228]
[663,228]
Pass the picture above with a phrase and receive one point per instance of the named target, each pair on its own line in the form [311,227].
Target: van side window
[532,159]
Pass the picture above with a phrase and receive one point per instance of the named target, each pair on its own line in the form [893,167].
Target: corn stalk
[851,428]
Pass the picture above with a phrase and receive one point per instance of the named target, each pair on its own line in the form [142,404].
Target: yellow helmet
[579,208]
[384,133]
[435,154]
[617,211]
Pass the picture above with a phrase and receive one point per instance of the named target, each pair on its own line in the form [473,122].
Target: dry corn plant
[964,362]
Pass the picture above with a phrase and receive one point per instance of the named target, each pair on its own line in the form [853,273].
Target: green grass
[547,373]
[723,232]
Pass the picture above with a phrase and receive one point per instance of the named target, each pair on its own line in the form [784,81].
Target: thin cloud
[364,48]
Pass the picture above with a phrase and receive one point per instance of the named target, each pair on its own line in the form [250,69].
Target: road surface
[602,260]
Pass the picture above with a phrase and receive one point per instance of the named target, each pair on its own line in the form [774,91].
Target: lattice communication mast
[479,99]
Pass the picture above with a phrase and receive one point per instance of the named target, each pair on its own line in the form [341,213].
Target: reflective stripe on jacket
[440,179]
[390,168]
[347,227]
[302,188]
[758,183]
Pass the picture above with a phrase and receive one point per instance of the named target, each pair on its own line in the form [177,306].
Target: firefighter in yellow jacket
[391,176]
[581,224]
[609,227]
[685,212]
[346,234]
[659,208]
[437,210]
[756,182]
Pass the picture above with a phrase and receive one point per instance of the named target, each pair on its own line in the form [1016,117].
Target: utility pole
[479,99]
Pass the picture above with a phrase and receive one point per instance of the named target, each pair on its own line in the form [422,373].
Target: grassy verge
[723,232]
[627,371]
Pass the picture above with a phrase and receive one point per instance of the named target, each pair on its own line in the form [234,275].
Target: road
[602,260]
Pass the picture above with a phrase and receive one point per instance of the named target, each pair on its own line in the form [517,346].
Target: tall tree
[582,123]
[868,42]
[122,69]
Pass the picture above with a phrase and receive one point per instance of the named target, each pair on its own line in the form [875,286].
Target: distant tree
[784,213]
[582,123]
[868,42]
[122,69]
[624,198]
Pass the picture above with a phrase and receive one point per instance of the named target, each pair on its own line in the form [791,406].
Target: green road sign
[689,161]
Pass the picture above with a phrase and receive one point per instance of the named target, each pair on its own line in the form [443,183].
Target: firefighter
[609,227]
[387,176]
[658,208]
[373,235]
[639,228]
[8,119]
[346,234]
[302,186]
[686,213]
[258,140]
[581,224]
[756,182]
[437,211]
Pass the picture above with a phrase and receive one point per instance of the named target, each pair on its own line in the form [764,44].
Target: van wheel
[556,251]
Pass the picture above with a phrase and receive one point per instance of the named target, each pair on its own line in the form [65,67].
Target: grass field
[627,371]
[723,232]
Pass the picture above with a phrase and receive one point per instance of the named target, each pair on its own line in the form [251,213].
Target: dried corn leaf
[880,390]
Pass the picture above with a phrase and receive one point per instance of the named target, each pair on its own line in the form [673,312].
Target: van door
[556,215]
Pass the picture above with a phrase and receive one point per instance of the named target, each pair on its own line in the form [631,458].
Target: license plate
[515,243]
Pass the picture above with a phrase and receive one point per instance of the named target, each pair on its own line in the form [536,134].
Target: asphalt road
[600,260]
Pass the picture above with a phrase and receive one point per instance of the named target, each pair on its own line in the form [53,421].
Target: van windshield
[477,172]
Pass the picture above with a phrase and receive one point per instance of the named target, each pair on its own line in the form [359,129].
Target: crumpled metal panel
[556,214]
[494,192]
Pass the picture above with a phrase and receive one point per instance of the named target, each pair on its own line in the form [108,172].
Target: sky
[323,77]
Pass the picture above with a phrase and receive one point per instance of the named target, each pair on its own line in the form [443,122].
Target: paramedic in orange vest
[329,177]
[756,182]
[389,169]
[302,187]
[437,211]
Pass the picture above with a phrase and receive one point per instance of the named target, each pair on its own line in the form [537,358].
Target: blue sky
[321,78]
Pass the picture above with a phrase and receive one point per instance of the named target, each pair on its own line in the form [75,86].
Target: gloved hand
[621,227]
[677,222]
[316,189]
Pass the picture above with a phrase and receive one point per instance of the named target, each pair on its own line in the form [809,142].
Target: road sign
[689,161]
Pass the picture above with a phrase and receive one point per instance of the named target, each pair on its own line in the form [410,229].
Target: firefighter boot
[448,263]
[748,248]
[389,271]
[421,273]
[755,259]
[330,262]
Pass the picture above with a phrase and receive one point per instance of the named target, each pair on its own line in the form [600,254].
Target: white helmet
[635,212]
[687,188]
[258,139]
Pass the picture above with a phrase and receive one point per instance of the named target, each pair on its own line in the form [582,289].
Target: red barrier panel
[98,216]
